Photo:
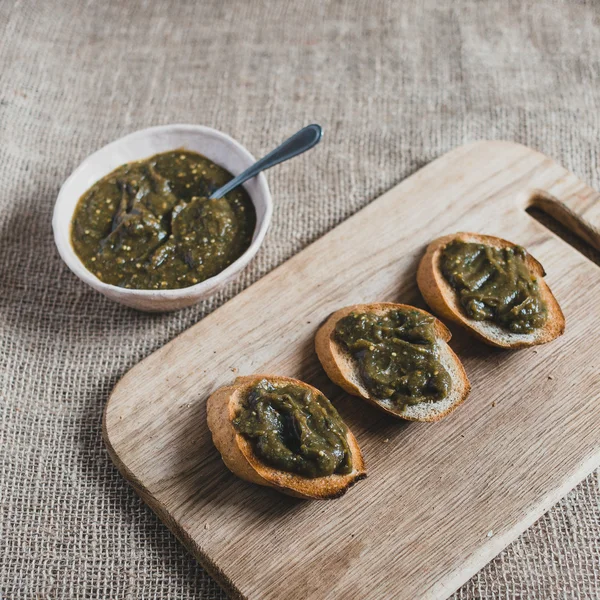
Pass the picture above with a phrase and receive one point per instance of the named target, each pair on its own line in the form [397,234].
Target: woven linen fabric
[394,84]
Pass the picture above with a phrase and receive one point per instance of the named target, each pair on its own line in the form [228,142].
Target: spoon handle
[300,142]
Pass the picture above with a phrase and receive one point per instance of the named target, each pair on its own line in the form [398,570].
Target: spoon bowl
[215,145]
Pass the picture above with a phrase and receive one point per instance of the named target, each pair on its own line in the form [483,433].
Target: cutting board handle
[574,205]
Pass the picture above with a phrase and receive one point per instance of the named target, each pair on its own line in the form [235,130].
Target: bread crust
[443,301]
[340,368]
[239,457]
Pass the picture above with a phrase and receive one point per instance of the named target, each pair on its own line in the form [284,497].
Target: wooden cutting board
[441,499]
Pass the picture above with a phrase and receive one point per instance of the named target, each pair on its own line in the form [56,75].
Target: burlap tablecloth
[394,84]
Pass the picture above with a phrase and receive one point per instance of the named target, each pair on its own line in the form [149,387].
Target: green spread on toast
[396,354]
[294,429]
[494,284]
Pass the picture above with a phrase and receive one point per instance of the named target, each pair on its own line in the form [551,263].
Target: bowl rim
[70,258]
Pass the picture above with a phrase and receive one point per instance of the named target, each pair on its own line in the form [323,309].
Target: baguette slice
[341,367]
[443,300]
[239,457]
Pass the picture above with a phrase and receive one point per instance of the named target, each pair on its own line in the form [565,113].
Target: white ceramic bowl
[219,147]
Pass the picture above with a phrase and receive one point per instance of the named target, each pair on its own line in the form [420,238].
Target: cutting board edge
[479,560]
[439,592]
[162,513]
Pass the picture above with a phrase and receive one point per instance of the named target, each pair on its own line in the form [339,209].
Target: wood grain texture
[441,499]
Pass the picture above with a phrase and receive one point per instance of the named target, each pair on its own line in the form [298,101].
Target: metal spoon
[300,142]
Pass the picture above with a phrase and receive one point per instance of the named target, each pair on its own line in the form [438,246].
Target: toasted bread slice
[241,459]
[341,367]
[444,302]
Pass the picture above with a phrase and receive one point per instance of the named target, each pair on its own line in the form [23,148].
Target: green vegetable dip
[294,429]
[494,284]
[396,354]
[150,225]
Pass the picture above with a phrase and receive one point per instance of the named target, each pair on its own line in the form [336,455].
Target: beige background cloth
[394,84]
